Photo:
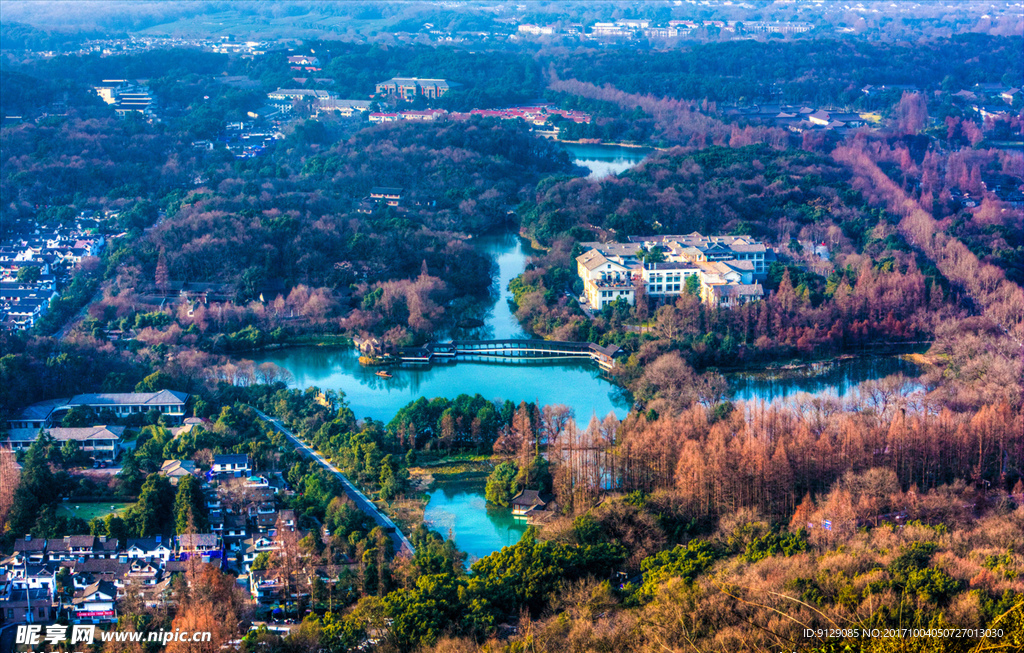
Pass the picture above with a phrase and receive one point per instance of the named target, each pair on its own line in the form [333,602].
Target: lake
[604,160]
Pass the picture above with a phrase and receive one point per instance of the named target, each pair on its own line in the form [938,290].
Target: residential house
[31,548]
[175,470]
[234,528]
[208,546]
[256,545]
[152,549]
[86,571]
[95,604]
[21,605]
[265,587]
[231,464]
[287,519]
[29,576]
[106,547]
[70,547]
[157,595]
[143,573]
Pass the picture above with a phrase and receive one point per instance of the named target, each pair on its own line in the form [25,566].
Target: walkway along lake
[459,509]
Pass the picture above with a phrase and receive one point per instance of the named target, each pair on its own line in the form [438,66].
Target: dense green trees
[465,422]
[190,507]
[37,487]
[154,510]
[501,484]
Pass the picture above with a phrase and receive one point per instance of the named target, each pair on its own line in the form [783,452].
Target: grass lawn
[88,511]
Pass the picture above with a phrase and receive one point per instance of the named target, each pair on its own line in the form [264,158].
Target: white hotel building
[728,269]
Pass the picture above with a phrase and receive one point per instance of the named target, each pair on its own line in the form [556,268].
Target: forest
[825,71]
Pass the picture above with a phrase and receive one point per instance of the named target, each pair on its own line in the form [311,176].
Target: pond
[459,510]
[604,160]
[577,383]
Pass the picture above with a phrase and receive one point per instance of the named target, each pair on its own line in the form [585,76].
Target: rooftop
[130,398]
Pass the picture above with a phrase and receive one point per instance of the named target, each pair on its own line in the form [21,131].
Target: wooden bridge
[510,348]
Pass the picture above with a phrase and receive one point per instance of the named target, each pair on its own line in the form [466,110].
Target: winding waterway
[459,509]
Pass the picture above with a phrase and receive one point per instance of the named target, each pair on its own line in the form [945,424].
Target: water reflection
[458,510]
[577,383]
[604,160]
[838,379]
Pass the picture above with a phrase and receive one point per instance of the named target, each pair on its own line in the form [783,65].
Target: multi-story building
[408,88]
[727,269]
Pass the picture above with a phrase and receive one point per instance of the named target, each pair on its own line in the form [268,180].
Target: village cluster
[37,260]
[82,577]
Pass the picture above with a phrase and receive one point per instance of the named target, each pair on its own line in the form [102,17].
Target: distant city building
[302,62]
[344,108]
[780,27]
[126,97]
[408,88]
[386,195]
[536,30]
[283,98]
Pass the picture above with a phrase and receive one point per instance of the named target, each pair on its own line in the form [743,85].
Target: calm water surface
[836,379]
[604,160]
[459,510]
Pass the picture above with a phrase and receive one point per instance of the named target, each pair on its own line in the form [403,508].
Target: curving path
[402,543]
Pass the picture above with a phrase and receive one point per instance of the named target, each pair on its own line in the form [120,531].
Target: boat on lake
[384,374]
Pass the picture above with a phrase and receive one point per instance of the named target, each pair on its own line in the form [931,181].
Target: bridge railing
[511,347]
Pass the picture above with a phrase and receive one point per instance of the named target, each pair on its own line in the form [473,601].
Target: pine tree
[189,501]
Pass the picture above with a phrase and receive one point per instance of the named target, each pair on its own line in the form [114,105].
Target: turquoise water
[576,383]
[459,511]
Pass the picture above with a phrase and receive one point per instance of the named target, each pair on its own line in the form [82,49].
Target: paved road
[402,543]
